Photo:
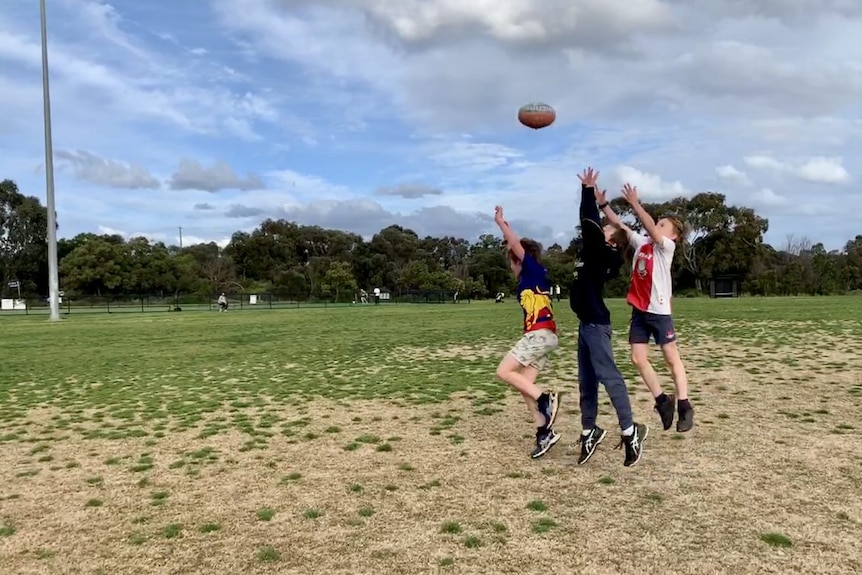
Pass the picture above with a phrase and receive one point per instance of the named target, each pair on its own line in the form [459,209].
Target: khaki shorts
[534,347]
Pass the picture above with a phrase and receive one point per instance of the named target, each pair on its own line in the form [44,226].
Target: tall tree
[338,280]
[23,240]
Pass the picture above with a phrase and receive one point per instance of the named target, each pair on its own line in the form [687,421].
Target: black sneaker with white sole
[666,411]
[634,444]
[589,443]
[544,441]
[548,405]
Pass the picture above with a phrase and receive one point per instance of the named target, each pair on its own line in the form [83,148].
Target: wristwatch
[603,206]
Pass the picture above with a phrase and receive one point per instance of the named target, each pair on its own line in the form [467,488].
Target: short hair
[531,248]
[620,237]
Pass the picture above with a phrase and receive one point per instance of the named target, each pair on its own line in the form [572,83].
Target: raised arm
[512,239]
[591,225]
[589,186]
[612,216]
[630,193]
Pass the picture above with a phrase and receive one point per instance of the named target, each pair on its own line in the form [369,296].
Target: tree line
[308,262]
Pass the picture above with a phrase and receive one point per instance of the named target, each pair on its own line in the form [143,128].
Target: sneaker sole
[641,452]
[553,442]
[595,447]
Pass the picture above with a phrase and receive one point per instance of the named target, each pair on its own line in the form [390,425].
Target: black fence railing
[71,303]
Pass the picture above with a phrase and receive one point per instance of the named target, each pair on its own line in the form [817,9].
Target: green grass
[451,527]
[776,539]
[544,525]
[124,385]
[135,383]
[268,554]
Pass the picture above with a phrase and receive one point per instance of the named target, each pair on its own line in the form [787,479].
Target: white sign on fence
[252,299]
[9,304]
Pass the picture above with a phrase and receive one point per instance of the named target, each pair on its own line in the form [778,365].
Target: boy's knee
[504,370]
[639,359]
[501,372]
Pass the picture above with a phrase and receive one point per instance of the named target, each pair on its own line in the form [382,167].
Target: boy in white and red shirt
[650,293]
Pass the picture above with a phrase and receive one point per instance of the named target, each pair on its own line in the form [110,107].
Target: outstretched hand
[589,178]
[601,196]
[630,193]
[498,216]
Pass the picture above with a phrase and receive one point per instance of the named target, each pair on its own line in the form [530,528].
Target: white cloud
[818,169]
[767,197]
[466,156]
[730,173]
[824,170]
[765,163]
[518,21]
[298,185]
[108,173]
[651,187]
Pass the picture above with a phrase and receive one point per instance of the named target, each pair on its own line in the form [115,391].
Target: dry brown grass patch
[765,457]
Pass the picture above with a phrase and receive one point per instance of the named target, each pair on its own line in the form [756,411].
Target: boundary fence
[72,304]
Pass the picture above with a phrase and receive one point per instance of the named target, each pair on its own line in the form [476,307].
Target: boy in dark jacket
[600,260]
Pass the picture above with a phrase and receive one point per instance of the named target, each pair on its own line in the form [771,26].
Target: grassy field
[376,440]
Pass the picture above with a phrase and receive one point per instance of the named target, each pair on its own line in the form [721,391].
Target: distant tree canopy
[311,262]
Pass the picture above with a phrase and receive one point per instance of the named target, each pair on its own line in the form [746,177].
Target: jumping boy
[600,261]
[521,365]
[649,295]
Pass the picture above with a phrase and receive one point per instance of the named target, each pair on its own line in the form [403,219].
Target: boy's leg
[605,368]
[546,437]
[588,385]
[640,331]
[633,433]
[667,340]
[511,371]
[531,351]
[532,407]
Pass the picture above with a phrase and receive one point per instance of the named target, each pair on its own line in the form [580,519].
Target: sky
[212,115]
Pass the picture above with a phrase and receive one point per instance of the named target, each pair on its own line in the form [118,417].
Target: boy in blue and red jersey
[522,364]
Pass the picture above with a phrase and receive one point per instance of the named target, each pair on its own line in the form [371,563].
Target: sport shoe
[634,444]
[544,441]
[686,420]
[548,405]
[666,411]
[589,443]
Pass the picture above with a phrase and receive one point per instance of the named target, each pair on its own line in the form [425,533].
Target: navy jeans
[596,365]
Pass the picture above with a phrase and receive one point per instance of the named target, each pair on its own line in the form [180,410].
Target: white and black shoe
[589,443]
[545,440]
[634,444]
